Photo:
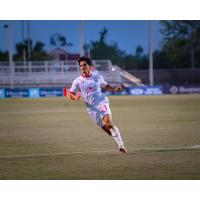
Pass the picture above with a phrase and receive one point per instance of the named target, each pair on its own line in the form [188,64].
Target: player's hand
[78,96]
[119,88]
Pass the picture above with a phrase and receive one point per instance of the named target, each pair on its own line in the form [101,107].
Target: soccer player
[89,85]
[93,70]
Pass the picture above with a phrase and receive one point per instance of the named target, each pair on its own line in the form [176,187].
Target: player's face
[85,68]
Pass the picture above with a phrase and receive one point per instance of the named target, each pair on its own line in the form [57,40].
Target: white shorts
[98,112]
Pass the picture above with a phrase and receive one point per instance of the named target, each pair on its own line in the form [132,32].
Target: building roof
[57,51]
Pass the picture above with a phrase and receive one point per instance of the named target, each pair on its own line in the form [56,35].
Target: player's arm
[73,96]
[117,88]
[108,87]
[74,92]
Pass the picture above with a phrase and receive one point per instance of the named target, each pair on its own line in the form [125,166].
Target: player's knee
[109,124]
[108,121]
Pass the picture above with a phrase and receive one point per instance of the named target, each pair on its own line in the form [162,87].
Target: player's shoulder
[78,78]
[95,77]
[77,81]
[96,74]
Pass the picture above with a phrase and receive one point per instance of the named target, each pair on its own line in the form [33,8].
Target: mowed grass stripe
[195,147]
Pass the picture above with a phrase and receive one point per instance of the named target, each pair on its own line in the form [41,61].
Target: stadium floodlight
[151,81]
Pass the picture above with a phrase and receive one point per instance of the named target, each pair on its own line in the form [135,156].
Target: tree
[101,50]
[136,61]
[4,56]
[139,51]
[180,37]
[38,52]
[20,47]
[103,34]
[59,40]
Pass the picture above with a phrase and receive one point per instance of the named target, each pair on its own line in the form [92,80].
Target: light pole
[151,78]
[10,43]
[29,39]
[10,51]
[24,50]
[81,38]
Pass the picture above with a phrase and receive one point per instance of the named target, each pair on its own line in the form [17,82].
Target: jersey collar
[86,76]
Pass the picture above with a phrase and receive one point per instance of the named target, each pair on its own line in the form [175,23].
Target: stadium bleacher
[50,73]
[62,73]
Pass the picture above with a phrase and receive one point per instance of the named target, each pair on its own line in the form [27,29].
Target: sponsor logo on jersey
[95,78]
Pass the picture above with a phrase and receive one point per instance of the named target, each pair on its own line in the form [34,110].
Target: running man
[89,85]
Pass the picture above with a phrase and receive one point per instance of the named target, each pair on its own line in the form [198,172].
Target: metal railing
[49,72]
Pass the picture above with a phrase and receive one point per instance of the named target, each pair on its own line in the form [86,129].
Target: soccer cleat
[122,149]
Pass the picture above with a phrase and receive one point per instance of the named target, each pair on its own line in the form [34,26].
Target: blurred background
[162,55]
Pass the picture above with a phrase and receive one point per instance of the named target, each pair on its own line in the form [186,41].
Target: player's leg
[107,123]
[102,116]
[110,128]
[106,129]
[96,116]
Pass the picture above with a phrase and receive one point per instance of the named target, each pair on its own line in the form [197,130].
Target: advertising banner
[2,93]
[146,90]
[182,89]
[16,93]
[51,92]
[189,90]
[34,93]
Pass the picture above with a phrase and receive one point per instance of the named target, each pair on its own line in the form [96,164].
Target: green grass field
[54,138]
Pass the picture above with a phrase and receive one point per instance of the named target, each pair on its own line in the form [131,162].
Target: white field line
[195,147]
[48,111]
[37,112]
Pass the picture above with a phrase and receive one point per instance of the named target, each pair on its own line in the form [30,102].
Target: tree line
[180,48]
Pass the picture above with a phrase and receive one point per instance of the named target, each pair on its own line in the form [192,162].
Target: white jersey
[95,72]
[90,88]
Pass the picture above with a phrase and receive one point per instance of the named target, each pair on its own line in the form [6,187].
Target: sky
[128,34]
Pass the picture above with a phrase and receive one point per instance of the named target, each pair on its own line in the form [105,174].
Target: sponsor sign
[189,90]
[2,93]
[136,91]
[51,92]
[182,89]
[34,92]
[174,89]
[16,93]
[151,90]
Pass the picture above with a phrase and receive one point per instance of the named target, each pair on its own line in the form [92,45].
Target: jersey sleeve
[103,83]
[75,87]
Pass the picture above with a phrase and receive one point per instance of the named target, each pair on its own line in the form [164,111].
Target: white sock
[116,135]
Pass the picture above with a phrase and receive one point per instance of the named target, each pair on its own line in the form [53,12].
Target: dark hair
[83,58]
